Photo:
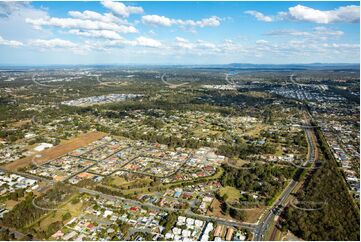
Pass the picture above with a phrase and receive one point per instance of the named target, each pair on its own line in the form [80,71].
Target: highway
[265,222]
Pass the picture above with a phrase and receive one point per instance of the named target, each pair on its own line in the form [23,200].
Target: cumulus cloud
[107,34]
[317,33]
[115,39]
[201,44]
[8,8]
[326,31]
[12,20]
[140,41]
[213,21]
[259,16]
[52,43]
[185,44]
[64,45]
[74,23]
[346,14]
[288,32]
[157,20]
[261,42]
[12,43]
[121,9]
[147,42]
[91,15]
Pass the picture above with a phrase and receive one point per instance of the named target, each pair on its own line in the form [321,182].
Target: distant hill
[312,66]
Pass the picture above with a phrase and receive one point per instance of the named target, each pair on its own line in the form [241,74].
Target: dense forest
[338,219]
[22,214]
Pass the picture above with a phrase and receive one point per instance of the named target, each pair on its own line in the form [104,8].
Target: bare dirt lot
[21,123]
[57,151]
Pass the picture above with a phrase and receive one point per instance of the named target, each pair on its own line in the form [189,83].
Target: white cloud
[147,42]
[213,21]
[342,46]
[91,15]
[140,41]
[107,34]
[8,8]
[57,44]
[12,21]
[348,14]
[288,32]
[201,44]
[12,43]
[183,43]
[261,42]
[121,9]
[326,31]
[259,16]
[157,20]
[198,45]
[81,24]
[316,34]
[230,46]
[52,43]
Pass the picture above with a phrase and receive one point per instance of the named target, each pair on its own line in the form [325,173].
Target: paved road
[231,82]
[265,222]
[27,175]
[44,85]
[171,85]
[166,209]
[42,208]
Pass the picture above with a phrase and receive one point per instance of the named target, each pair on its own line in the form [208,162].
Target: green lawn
[233,194]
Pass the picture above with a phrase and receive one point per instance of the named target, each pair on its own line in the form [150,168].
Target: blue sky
[110,32]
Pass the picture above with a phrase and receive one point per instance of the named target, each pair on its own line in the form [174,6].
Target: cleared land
[120,182]
[57,151]
[251,215]
[21,123]
[42,224]
[232,194]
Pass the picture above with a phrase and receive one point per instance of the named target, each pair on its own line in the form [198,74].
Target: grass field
[279,151]
[9,204]
[21,123]
[237,162]
[57,151]
[54,216]
[254,132]
[216,210]
[121,182]
[290,237]
[202,134]
[232,193]
[252,215]
[144,190]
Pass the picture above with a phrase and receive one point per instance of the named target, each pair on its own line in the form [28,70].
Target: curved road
[171,85]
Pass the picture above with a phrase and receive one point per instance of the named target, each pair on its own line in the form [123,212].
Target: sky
[185,33]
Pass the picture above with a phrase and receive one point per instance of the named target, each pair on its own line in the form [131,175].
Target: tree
[66,216]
